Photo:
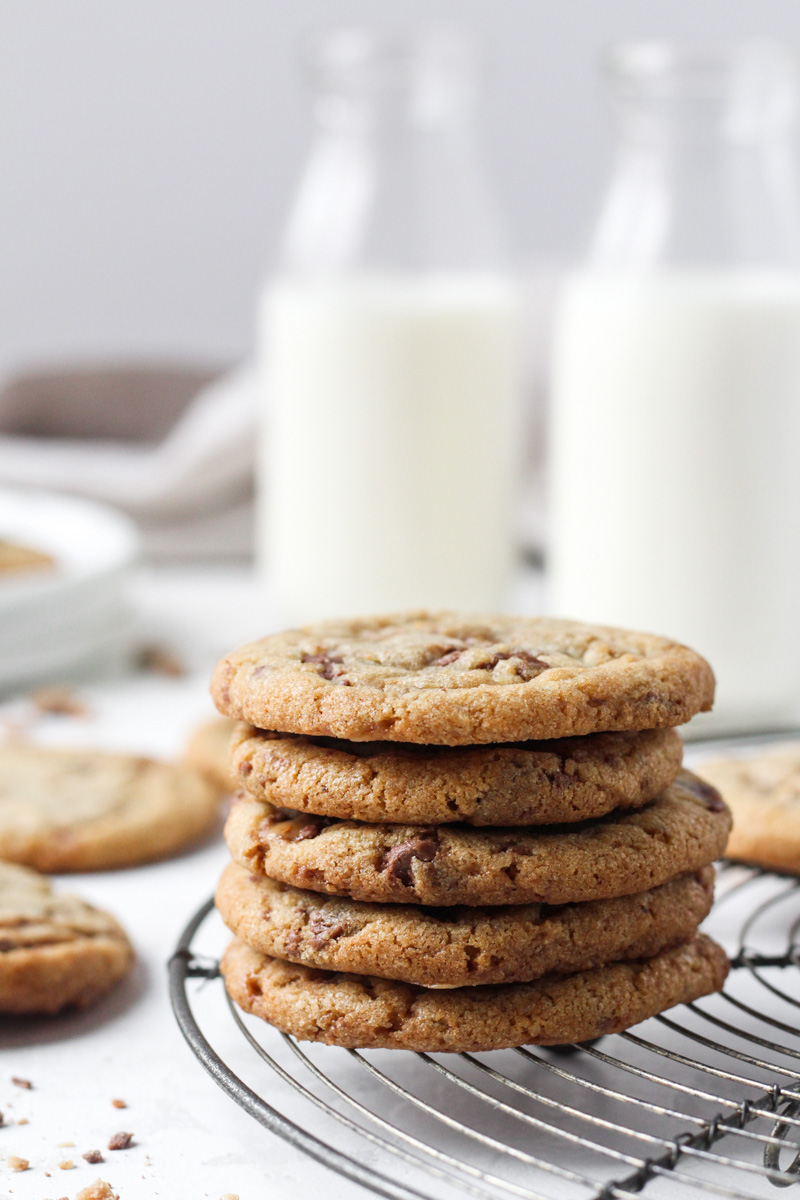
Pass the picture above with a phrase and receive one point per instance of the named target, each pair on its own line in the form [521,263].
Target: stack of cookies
[466,833]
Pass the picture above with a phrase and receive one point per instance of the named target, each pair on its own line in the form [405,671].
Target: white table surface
[190,1140]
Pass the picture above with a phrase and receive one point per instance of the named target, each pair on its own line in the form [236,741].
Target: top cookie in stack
[506,764]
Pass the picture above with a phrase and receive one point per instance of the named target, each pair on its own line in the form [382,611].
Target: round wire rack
[705,1097]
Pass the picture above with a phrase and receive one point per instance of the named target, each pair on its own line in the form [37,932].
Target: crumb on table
[119,1104]
[93,1156]
[16,1163]
[120,1141]
[23,1083]
[99,1190]
[59,700]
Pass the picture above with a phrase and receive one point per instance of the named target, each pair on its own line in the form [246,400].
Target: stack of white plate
[54,619]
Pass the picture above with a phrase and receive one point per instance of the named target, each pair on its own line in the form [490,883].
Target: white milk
[675,472]
[388,456]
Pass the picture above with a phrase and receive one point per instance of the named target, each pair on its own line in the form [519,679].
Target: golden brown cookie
[763,792]
[361,1011]
[55,950]
[458,947]
[532,783]
[209,750]
[449,679]
[683,829]
[87,810]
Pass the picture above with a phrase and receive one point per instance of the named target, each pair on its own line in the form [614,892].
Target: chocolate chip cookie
[763,792]
[448,679]
[86,810]
[457,947]
[209,750]
[55,950]
[362,1011]
[683,829]
[532,783]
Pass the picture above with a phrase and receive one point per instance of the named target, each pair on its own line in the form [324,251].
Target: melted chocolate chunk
[529,666]
[329,664]
[311,829]
[398,862]
[705,792]
[448,657]
[324,928]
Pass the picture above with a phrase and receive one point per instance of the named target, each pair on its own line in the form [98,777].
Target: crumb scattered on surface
[23,1121]
[120,1141]
[66,1165]
[17,1164]
[99,1190]
[23,1083]
[66,1143]
[229,1196]
[119,1104]
[59,701]
[93,1156]
[160,660]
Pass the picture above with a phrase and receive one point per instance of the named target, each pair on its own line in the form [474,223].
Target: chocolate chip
[245,768]
[93,1156]
[311,829]
[398,861]
[448,657]
[328,663]
[120,1141]
[6,944]
[529,666]
[293,939]
[324,928]
[705,792]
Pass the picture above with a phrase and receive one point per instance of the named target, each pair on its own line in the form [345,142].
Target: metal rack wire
[705,1097]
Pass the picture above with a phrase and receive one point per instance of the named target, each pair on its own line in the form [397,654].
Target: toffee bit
[66,1165]
[93,1156]
[119,1104]
[59,701]
[120,1141]
[23,1083]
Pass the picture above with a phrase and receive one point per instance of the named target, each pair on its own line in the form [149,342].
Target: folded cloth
[172,447]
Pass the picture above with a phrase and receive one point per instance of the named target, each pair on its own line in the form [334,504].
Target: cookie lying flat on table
[532,783]
[55,950]
[361,1011]
[444,678]
[458,947]
[763,793]
[682,830]
[209,750]
[86,810]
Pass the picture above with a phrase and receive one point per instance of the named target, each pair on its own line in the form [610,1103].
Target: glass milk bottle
[388,342]
[675,425]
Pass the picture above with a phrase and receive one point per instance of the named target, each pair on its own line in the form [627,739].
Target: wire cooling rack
[704,1098]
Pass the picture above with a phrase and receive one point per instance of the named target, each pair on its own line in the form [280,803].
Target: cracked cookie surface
[683,829]
[449,679]
[87,810]
[532,783]
[763,792]
[456,947]
[55,950]
[362,1011]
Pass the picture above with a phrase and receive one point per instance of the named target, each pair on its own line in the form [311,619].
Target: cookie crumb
[61,1144]
[23,1083]
[17,1164]
[23,1121]
[59,701]
[66,1165]
[93,1156]
[99,1190]
[229,1196]
[159,660]
[120,1141]
[119,1104]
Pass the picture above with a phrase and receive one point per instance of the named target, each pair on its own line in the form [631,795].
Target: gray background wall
[148,149]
